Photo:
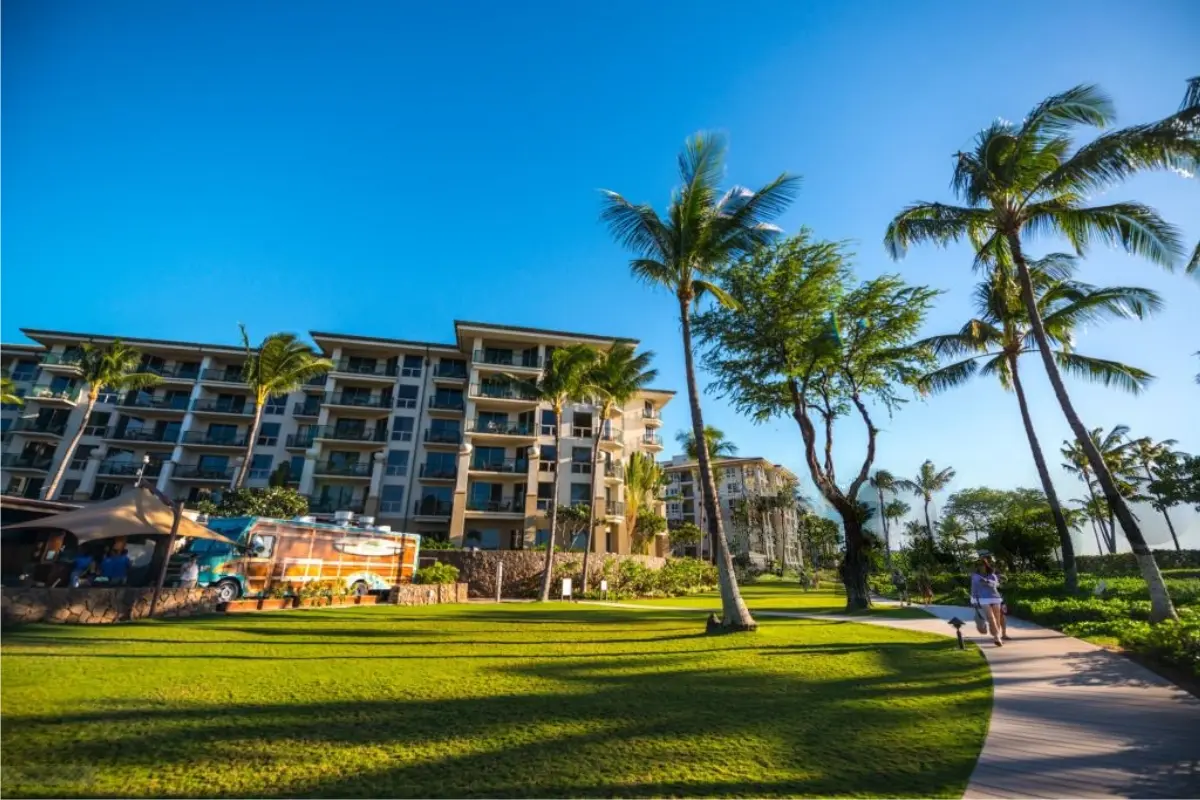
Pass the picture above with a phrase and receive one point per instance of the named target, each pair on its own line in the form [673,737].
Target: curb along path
[1069,719]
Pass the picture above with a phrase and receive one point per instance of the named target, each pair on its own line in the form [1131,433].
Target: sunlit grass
[480,700]
[771,594]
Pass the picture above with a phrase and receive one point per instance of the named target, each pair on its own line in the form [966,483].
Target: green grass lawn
[771,594]
[486,701]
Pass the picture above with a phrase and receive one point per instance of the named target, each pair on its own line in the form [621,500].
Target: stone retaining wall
[87,606]
[523,569]
[417,594]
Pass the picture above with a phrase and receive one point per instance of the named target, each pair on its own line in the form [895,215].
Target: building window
[222,433]
[276,404]
[24,371]
[69,488]
[547,425]
[485,539]
[581,427]
[107,395]
[97,424]
[402,429]
[268,434]
[82,454]
[397,462]
[581,461]
[406,396]
[391,499]
[548,462]
[260,466]
[295,469]
[106,491]
[411,367]
[580,493]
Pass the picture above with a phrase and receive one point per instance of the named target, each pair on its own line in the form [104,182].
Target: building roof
[38,335]
[22,348]
[542,332]
[379,340]
[669,466]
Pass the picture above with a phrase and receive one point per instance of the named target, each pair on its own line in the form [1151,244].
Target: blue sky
[171,169]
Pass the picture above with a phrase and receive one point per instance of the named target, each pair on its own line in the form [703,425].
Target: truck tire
[228,591]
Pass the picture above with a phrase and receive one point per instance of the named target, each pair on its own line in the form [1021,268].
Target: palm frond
[1136,228]
[934,222]
[1110,373]
[636,227]
[1085,104]
[1098,304]
[949,377]
[1117,156]
[702,287]
[743,217]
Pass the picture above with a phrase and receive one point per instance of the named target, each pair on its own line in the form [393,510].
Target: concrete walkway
[1069,719]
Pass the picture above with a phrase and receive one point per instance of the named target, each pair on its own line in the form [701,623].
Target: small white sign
[604,586]
[566,587]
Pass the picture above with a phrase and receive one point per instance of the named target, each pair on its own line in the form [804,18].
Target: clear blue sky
[171,169]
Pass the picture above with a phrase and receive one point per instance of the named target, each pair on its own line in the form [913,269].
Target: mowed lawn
[486,701]
[771,594]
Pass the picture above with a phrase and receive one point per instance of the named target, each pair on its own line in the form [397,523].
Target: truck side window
[263,547]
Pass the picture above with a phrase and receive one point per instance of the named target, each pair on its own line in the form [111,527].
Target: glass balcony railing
[360,400]
[652,439]
[328,505]
[502,391]
[501,427]
[442,436]
[24,461]
[651,413]
[355,367]
[510,465]
[455,372]
[317,380]
[61,359]
[614,469]
[39,426]
[447,403]
[46,393]
[218,406]
[306,409]
[143,435]
[303,439]
[150,402]
[130,468]
[223,375]
[428,507]
[438,472]
[349,434]
[507,359]
[614,509]
[355,469]
[616,437]
[203,473]
[214,440]
[177,373]
[496,506]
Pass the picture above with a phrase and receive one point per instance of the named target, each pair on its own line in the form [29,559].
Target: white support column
[87,485]
[371,505]
[310,467]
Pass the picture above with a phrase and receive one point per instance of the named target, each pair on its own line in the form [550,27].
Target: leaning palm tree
[8,393]
[1092,508]
[113,366]
[281,365]
[1191,100]
[1149,453]
[884,482]
[616,376]
[1027,180]
[995,339]
[703,231]
[929,482]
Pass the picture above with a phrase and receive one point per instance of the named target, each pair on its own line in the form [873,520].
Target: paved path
[1069,719]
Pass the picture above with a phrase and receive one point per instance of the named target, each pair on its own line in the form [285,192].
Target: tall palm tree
[1115,450]
[644,482]
[1093,509]
[718,447]
[884,482]
[281,365]
[929,482]
[999,335]
[113,366]
[1191,100]
[8,393]
[895,510]
[703,231]
[1149,453]
[616,376]
[1027,180]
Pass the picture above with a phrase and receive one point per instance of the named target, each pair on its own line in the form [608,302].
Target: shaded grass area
[486,701]
[771,594]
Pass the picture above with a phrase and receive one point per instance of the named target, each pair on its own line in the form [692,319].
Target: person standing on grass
[985,594]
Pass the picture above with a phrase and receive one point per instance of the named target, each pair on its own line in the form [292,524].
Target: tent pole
[177,510]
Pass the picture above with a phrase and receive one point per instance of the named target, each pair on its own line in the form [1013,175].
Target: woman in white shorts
[985,594]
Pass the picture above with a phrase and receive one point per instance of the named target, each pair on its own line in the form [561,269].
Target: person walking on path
[985,595]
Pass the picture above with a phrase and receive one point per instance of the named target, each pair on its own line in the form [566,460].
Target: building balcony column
[371,503]
[87,485]
[458,509]
[164,478]
[310,468]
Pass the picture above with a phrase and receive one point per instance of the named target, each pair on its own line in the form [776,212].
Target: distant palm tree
[644,482]
[995,340]
[1191,101]
[617,375]
[1027,180]
[1115,448]
[1093,509]
[1149,453]
[928,483]
[884,482]
[8,393]
[703,231]
[895,510]
[113,366]
[281,365]
[718,447]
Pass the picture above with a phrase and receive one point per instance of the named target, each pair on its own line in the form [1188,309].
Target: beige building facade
[432,438]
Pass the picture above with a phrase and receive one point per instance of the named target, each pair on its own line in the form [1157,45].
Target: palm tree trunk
[887,536]
[52,489]
[250,442]
[1166,516]
[1067,547]
[587,550]
[734,614]
[928,524]
[548,568]
[1096,531]
[1109,537]
[1161,607]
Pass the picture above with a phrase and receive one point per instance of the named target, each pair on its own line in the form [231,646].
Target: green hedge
[438,572]
[1124,563]
[679,576]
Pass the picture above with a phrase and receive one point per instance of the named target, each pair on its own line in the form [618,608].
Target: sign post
[499,579]
[566,588]
[604,589]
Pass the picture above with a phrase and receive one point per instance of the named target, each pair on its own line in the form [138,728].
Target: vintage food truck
[273,553]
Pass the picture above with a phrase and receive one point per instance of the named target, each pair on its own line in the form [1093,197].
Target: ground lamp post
[957,624]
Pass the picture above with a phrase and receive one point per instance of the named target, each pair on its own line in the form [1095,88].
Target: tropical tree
[719,445]
[1150,454]
[1115,450]
[685,535]
[994,341]
[1093,509]
[1177,481]
[1026,180]
[929,481]
[883,481]
[8,393]
[644,482]
[703,230]
[617,375]
[784,353]
[281,365]
[895,510]
[113,366]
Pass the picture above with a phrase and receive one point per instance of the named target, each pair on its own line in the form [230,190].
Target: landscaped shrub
[636,579]
[1174,643]
[680,576]
[429,543]
[1125,564]
[437,573]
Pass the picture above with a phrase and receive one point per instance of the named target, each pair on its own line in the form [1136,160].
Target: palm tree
[1115,450]
[895,510]
[1149,453]
[1191,100]
[928,483]
[281,365]
[616,376]
[113,366]
[718,447]
[703,231]
[1027,180]
[565,380]
[1093,509]
[8,393]
[644,482]
[883,481]
[1000,334]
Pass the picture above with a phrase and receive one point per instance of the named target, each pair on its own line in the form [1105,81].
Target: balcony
[62,362]
[502,391]
[429,507]
[172,374]
[143,436]
[152,404]
[355,400]
[652,440]
[353,469]
[652,416]
[495,428]
[218,407]
[432,472]
[480,506]
[452,404]
[610,439]
[374,370]
[510,466]
[449,372]
[205,439]
[129,469]
[24,462]
[326,505]
[505,360]
[299,441]
[614,470]
[306,410]
[315,384]
[38,427]
[442,437]
[199,473]
[66,398]
[230,375]
[350,434]
[614,509]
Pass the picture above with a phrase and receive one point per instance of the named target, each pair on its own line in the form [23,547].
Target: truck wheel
[228,591]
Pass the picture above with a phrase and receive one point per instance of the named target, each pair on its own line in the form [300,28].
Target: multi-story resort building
[757,502]
[431,438]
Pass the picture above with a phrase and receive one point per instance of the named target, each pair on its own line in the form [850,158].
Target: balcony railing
[61,359]
[157,403]
[442,436]
[361,400]
[349,434]
[614,509]
[180,373]
[501,428]
[652,439]
[614,469]
[447,403]
[141,435]
[431,508]
[214,440]
[198,472]
[651,413]
[456,372]
[612,436]
[317,380]
[366,368]
[46,393]
[391,506]
[218,406]
[435,472]
[507,359]
[22,461]
[355,469]
[306,409]
[130,468]
[501,391]
[39,426]
[303,439]
[497,506]
[324,505]
[510,465]
[223,375]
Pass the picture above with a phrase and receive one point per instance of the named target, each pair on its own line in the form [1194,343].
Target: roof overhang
[51,338]
[327,342]
[465,332]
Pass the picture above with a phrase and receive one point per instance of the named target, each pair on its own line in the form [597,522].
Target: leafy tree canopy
[273,501]
[1177,481]
[685,535]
